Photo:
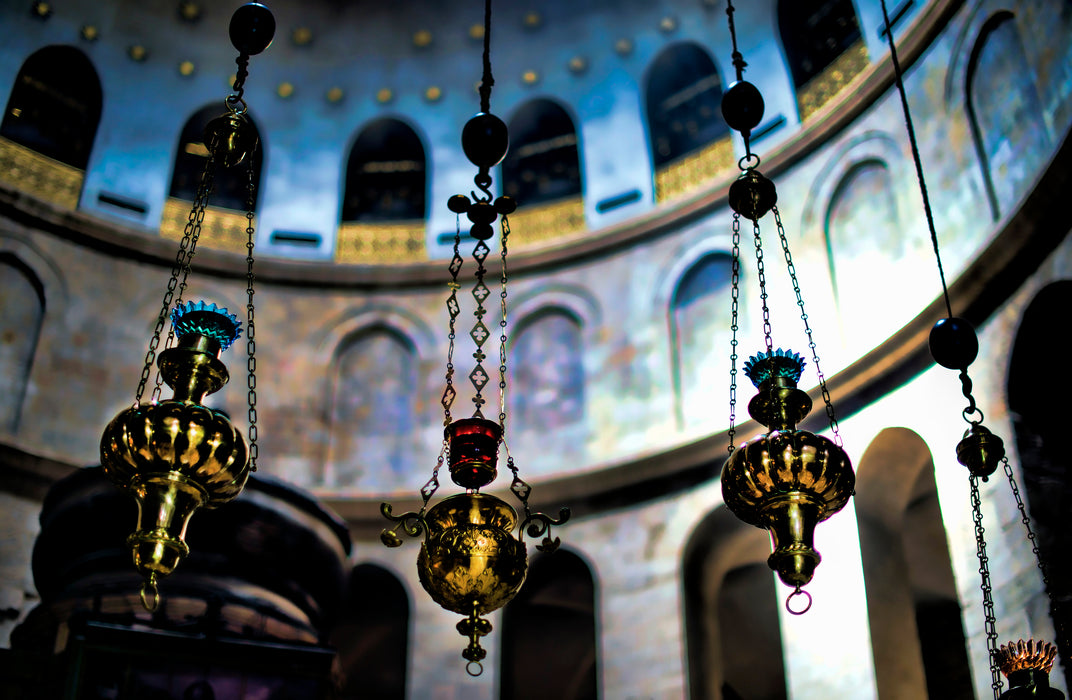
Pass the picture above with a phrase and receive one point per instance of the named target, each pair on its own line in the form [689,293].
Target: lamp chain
[504,235]
[479,334]
[453,309]
[251,342]
[990,619]
[807,328]
[762,276]
[735,292]
[181,268]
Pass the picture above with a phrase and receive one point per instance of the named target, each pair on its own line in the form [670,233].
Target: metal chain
[181,267]
[1059,629]
[453,309]
[734,310]
[505,233]
[251,342]
[762,276]
[479,333]
[807,329]
[432,485]
[990,623]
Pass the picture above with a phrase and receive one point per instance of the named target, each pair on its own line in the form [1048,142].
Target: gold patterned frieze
[39,176]
[222,229]
[538,224]
[694,170]
[381,243]
[824,86]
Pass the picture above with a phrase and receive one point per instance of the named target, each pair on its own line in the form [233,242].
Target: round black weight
[485,140]
[252,28]
[953,343]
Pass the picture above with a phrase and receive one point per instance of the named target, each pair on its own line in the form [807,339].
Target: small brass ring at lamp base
[798,592]
[474,668]
[973,411]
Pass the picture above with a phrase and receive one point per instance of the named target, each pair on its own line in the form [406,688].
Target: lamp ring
[969,412]
[150,595]
[743,163]
[474,668]
[233,103]
[794,594]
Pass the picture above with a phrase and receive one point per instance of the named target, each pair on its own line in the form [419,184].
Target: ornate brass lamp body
[178,455]
[470,561]
[786,480]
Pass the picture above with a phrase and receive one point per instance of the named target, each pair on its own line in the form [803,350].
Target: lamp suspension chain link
[735,293]
[479,334]
[453,309]
[990,618]
[807,328]
[762,277]
[181,268]
[504,227]
[251,341]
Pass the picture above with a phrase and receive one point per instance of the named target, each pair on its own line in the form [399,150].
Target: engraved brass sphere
[788,481]
[752,195]
[471,560]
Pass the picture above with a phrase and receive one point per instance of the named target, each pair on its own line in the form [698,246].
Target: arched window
[684,98]
[823,46]
[1005,114]
[917,635]
[372,636]
[22,309]
[55,105]
[1040,434]
[385,175]
[542,164]
[699,313]
[553,619]
[732,633]
[372,412]
[547,389]
[230,186]
[864,240]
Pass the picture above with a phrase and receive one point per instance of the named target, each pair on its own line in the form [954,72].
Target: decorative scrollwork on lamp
[470,561]
[786,480]
[177,455]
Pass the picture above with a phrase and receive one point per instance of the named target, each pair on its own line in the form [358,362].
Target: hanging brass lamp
[470,561]
[177,455]
[954,345]
[787,480]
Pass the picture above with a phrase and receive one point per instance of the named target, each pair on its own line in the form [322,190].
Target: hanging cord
[486,81]
[738,59]
[915,156]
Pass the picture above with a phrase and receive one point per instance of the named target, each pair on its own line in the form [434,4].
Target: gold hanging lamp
[470,561]
[954,345]
[786,480]
[177,455]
